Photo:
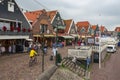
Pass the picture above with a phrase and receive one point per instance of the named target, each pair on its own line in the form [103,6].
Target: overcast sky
[101,12]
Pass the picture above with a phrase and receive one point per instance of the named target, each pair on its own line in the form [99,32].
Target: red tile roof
[52,14]
[82,24]
[32,15]
[67,23]
[117,29]
[94,27]
[102,28]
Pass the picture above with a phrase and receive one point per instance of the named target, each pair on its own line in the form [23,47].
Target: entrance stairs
[73,66]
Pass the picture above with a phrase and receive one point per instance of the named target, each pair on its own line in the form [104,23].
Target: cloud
[104,12]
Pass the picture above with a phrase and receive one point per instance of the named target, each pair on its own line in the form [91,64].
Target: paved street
[109,71]
[15,66]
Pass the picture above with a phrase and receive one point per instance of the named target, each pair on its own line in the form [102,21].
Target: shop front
[12,44]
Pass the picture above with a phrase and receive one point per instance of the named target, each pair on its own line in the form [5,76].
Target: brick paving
[15,66]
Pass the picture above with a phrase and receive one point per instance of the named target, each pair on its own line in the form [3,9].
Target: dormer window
[10,6]
[1,1]
[82,30]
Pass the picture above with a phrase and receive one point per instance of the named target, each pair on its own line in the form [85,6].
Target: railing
[80,52]
[96,48]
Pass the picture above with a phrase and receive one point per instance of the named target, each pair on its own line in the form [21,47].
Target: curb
[47,74]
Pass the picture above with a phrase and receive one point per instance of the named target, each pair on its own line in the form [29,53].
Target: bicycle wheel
[35,60]
[30,62]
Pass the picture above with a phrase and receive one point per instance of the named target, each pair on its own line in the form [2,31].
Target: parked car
[111,48]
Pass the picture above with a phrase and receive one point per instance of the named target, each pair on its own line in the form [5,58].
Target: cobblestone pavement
[110,70]
[15,66]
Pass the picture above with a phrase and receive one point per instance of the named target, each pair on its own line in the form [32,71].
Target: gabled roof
[33,15]
[52,14]
[68,25]
[117,29]
[43,19]
[102,28]
[15,15]
[94,27]
[83,24]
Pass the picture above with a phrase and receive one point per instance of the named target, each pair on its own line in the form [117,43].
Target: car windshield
[110,47]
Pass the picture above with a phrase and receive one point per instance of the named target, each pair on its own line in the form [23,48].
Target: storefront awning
[13,37]
[74,35]
[46,35]
[61,27]
[85,36]
[68,37]
[29,39]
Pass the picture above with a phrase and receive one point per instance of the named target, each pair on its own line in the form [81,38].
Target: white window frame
[10,6]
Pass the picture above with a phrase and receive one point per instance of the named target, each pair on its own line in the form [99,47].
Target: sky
[101,12]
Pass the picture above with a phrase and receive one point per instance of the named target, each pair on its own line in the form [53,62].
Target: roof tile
[82,24]
[67,23]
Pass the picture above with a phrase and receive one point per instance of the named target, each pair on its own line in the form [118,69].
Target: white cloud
[104,12]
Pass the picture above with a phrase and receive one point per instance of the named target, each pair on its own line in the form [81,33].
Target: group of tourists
[38,48]
[11,49]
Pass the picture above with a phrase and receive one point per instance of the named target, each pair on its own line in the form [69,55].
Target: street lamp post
[56,44]
[99,50]
[43,47]
[57,24]
[98,33]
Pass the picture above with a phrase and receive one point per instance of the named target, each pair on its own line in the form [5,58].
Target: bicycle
[32,61]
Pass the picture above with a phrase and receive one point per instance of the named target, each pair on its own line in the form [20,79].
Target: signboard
[91,40]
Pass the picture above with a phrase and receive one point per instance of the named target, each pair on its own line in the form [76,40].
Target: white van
[111,48]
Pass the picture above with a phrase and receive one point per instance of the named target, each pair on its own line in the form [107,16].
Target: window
[10,6]
[43,28]
[1,1]
[82,30]
[72,31]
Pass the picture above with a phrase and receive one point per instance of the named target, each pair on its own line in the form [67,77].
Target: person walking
[53,55]
[45,48]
